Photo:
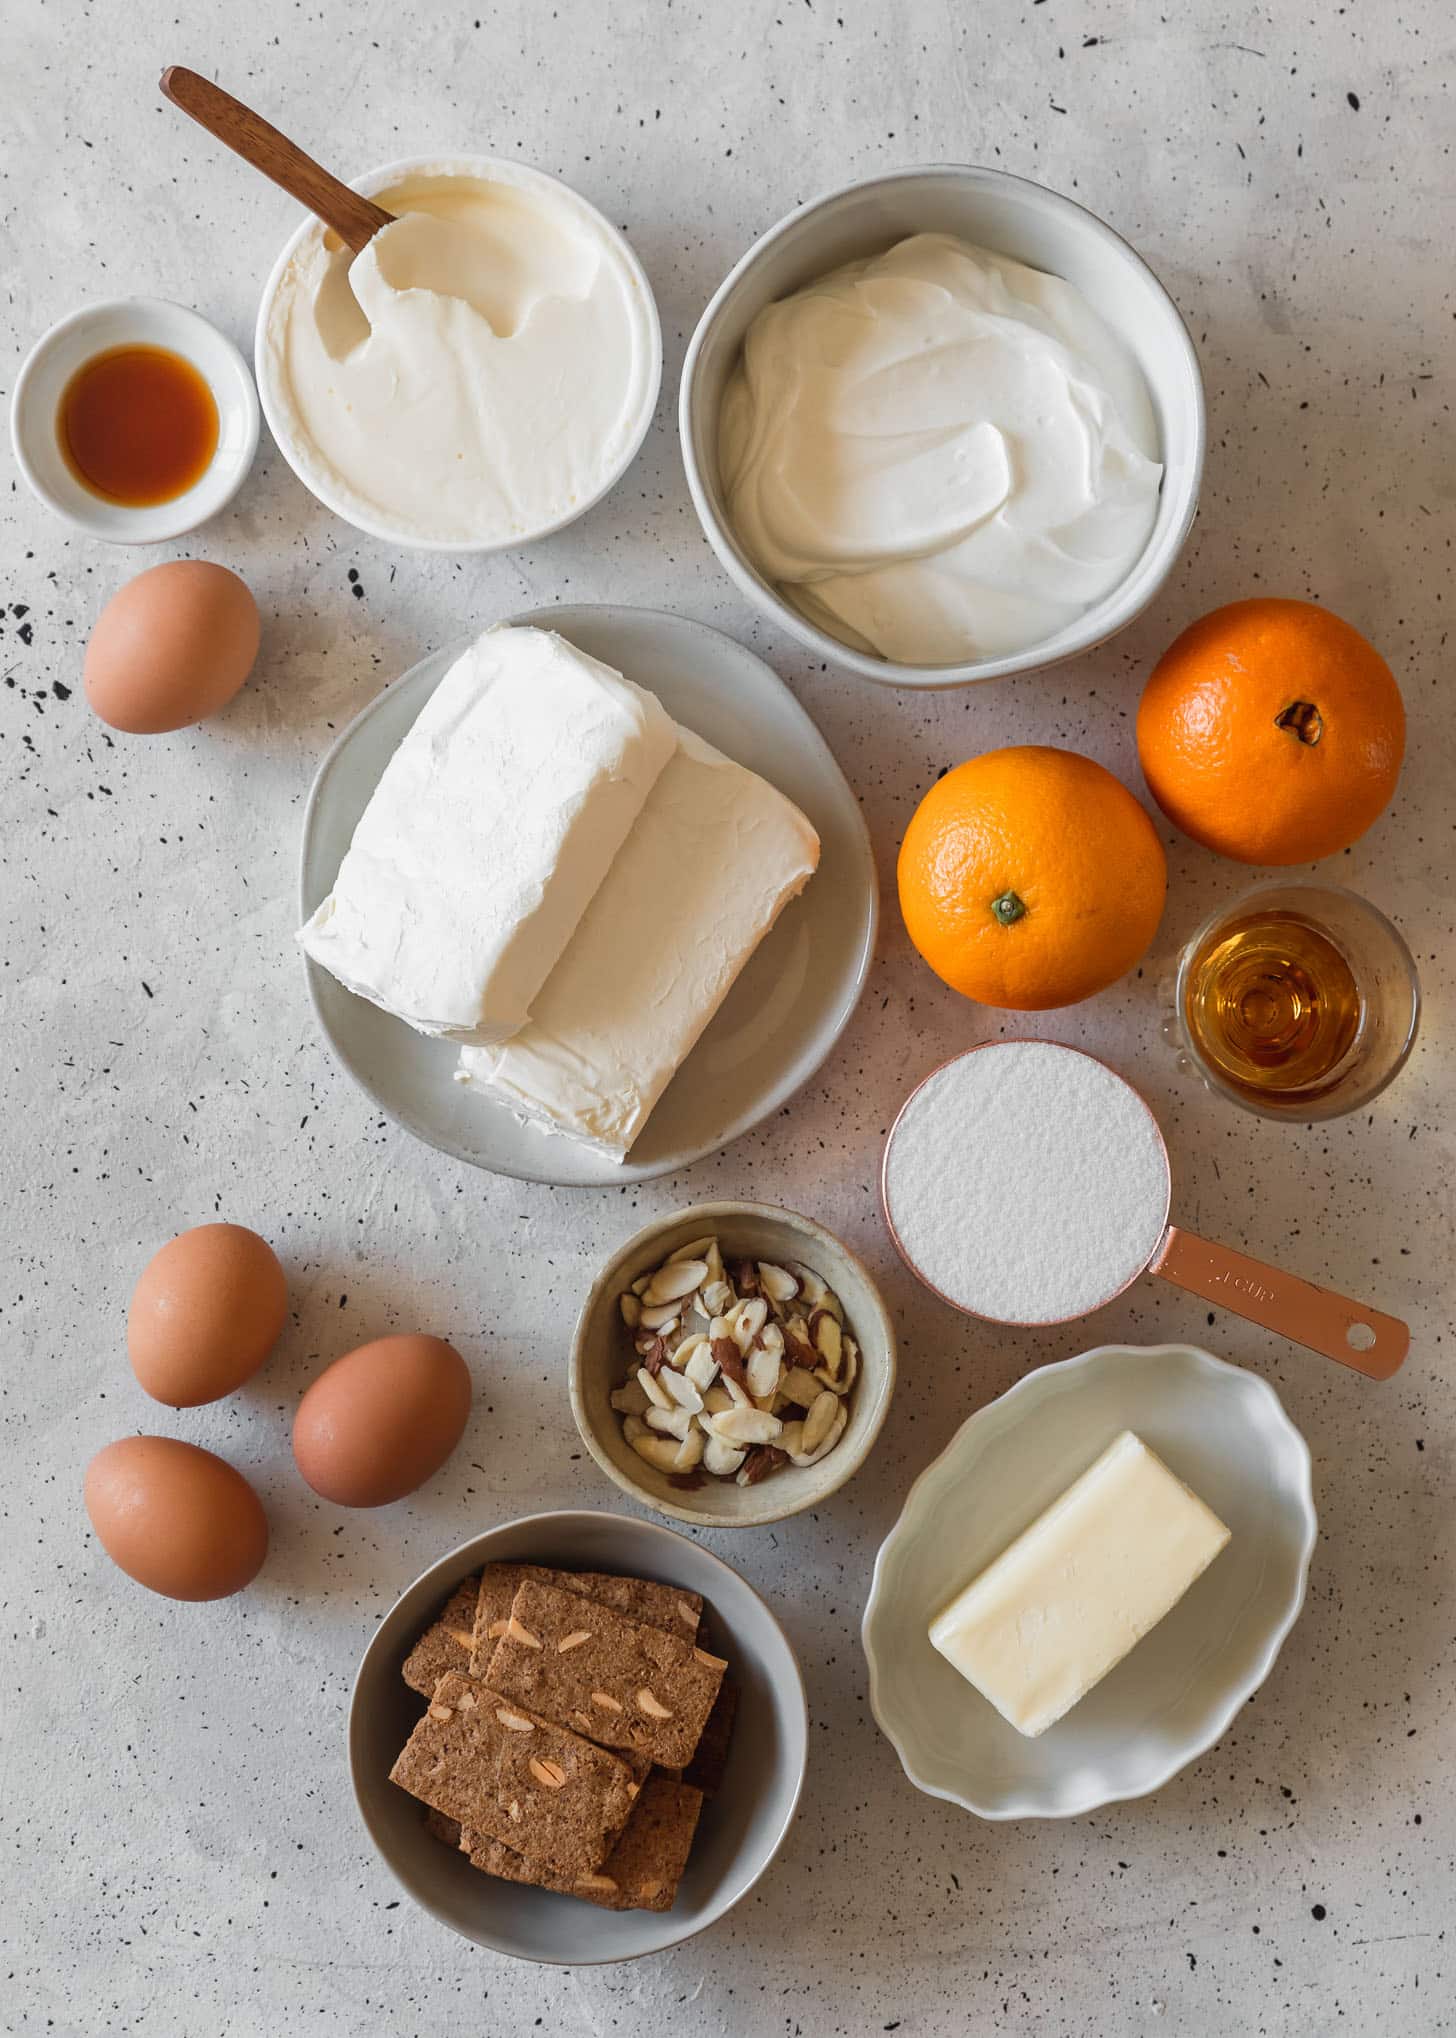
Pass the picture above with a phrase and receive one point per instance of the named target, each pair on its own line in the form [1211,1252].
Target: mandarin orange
[1272,732]
[1031,878]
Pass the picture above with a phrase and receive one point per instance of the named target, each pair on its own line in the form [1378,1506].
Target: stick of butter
[1073,1594]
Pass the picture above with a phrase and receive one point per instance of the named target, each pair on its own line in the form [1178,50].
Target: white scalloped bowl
[1224,1432]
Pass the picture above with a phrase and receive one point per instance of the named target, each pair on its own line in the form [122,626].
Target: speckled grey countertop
[180,1852]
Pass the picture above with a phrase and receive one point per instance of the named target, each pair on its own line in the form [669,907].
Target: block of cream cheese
[715,856]
[1072,1595]
[488,833]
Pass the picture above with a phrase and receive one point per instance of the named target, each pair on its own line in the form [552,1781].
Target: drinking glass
[1321,1015]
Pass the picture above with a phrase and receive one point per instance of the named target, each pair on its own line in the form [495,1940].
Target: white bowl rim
[1105,619]
[574,1517]
[231,472]
[728,1208]
[466,162]
[1239,1695]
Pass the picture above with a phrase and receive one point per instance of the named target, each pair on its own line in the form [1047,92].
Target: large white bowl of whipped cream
[944,426]
[479,376]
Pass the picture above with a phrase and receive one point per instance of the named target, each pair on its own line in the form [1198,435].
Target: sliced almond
[717,1401]
[603,1885]
[648,1702]
[652,1387]
[682,1390]
[512,1721]
[660,1451]
[841,1382]
[550,1775]
[746,1426]
[631,1398]
[661,1317]
[640,1284]
[702,1367]
[759,1462]
[670,1422]
[762,1371]
[633,1427]
[573,1641]
[828,1339]
[748,1320]
[690,1452]
[697,1249]
[496,1629]
[515,1632]
[716,1297]
[605,1702]
[514,1809]
[728,1358]
[673,1281]
[442,1712]
[713,1662]
[778,1283]
[722,1459]
[836,1431]
[745,1277]
[631,1309]
[819,1421]
[687,1614]
[800,1386]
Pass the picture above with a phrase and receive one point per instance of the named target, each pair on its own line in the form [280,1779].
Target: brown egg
[380,1421]
[177,1519]
[171,647]
[205,1314]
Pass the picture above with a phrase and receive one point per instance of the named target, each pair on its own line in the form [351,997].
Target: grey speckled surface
[179,1851]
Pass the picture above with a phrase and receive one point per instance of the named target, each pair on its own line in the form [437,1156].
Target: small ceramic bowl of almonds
[732,1365]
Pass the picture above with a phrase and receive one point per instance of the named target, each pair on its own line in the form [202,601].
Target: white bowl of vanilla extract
[134,420]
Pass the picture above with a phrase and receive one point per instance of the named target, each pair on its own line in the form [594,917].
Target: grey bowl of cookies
[732,1365]
[578,1738]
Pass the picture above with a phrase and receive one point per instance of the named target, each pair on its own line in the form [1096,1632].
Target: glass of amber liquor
[1298,1001]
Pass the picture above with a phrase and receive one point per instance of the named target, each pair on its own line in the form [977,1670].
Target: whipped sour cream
[939,454]
[478,374]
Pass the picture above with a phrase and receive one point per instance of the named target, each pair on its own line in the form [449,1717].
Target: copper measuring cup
[1349,1332]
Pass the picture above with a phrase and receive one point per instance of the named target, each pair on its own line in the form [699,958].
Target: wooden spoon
[354,219]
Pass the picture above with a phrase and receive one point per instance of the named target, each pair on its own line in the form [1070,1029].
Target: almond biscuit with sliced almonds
[669,1607]
[447,1643]
[573,1659]
[501,1769]
[641,1873]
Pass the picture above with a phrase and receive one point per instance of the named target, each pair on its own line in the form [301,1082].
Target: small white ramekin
[132,322]
[1011,217]
[311,472]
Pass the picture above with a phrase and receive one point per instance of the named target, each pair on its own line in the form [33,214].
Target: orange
[1030,878]
[1272,732]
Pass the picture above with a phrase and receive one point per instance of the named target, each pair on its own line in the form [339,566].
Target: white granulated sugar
[1027,1182]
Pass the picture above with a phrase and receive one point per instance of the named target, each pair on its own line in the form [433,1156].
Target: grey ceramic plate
[782,1016]
[741,1829]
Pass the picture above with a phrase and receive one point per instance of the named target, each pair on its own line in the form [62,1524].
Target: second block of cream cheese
[1065,1603]
[715,856]
[488,833]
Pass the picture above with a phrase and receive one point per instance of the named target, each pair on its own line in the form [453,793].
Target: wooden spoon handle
[354,219]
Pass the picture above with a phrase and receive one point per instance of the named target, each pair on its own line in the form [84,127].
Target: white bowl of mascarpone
[944,426]
[480,376]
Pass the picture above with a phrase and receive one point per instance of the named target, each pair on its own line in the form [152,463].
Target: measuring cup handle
[1317,1318]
